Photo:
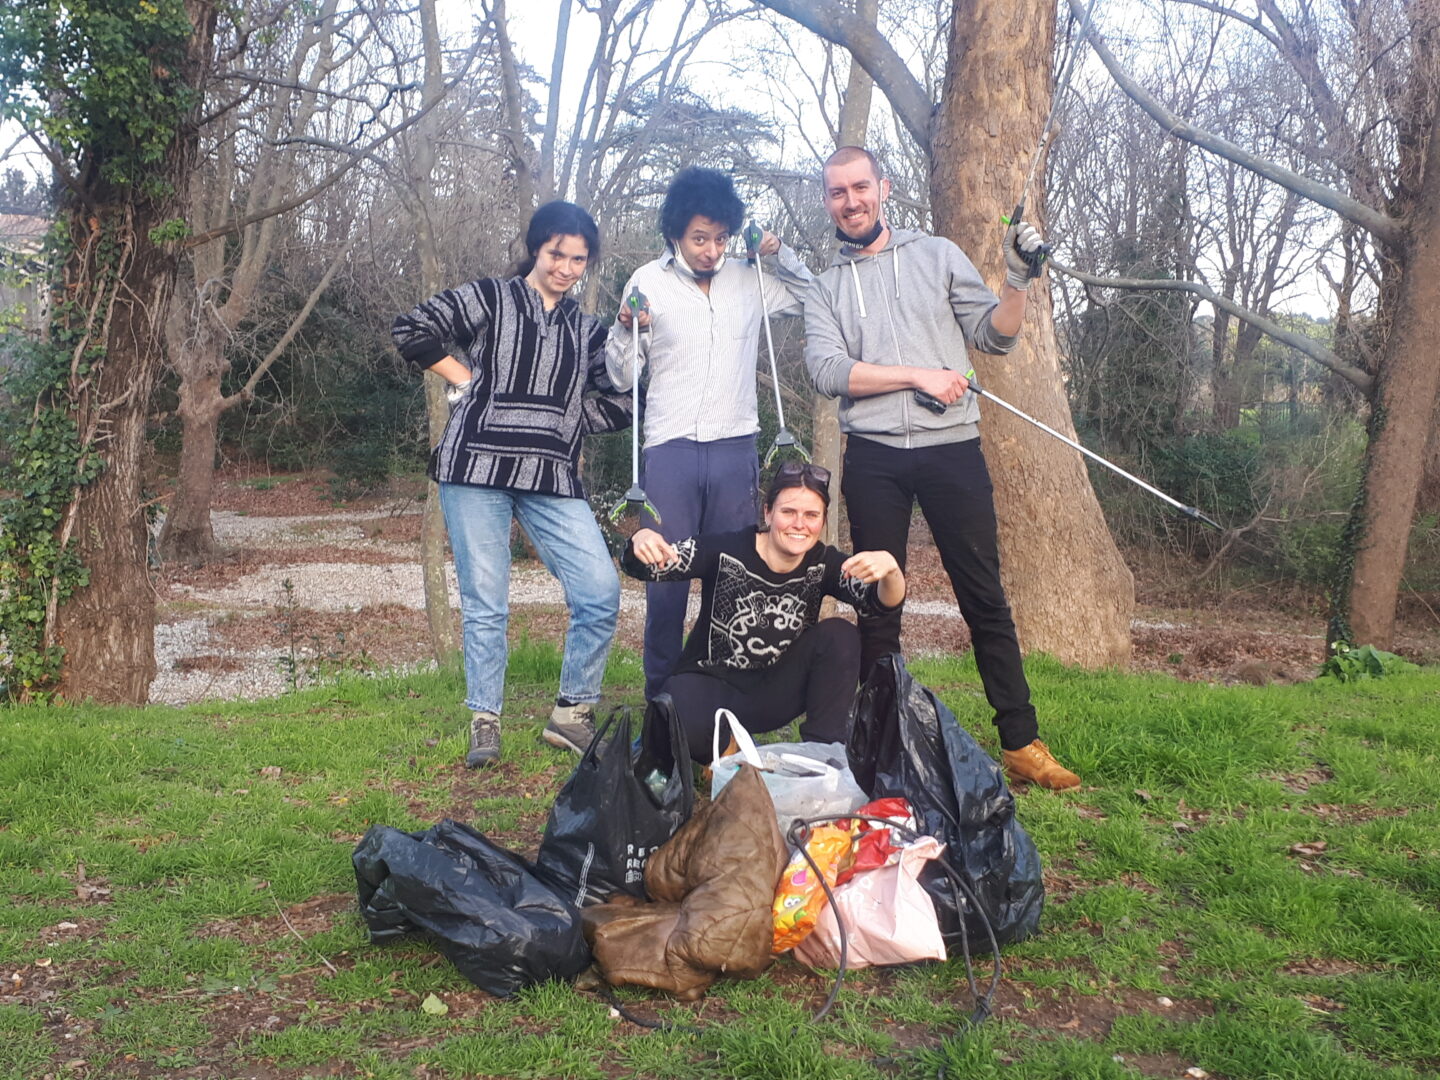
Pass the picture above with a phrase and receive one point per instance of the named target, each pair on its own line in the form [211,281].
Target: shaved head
[847,154]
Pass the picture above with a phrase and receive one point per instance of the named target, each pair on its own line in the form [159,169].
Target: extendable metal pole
[935,405]
[753,236]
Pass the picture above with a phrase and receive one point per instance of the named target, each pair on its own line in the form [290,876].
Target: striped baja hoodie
[538,384]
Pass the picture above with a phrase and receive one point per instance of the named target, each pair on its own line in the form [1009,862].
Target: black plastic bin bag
[484,908]
[623,801]
[905,742]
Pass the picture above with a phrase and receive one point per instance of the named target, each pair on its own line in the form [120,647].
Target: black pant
[881,485]
[816,676]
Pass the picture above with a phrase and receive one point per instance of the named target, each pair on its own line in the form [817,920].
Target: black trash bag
[607,820]
[905,742]
[484,908]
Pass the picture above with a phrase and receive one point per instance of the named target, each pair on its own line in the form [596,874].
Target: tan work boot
[1036,764]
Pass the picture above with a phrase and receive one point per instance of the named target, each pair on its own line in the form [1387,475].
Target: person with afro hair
[699,342]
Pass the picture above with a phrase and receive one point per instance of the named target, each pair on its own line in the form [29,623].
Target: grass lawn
[1249,885]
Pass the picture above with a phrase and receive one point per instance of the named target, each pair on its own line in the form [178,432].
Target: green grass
[1188,868]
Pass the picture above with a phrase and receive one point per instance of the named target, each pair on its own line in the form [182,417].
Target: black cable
[800,836]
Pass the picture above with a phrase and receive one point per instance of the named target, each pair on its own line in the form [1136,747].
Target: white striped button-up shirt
[701,350]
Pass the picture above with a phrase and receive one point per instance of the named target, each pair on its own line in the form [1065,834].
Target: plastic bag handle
[742,739]
[618,715]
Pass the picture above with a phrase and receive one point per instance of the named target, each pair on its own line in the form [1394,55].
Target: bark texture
[1407,389]
[1071,592]
[107,627]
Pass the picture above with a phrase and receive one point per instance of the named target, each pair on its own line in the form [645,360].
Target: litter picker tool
[938,407]
[635,499]
[753,236]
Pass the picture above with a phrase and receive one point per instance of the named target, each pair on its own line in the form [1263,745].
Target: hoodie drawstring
[859,293]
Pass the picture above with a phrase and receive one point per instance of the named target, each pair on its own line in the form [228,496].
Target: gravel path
[194,665]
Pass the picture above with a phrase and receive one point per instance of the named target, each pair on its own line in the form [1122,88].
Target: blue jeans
[698,487]
[569,543]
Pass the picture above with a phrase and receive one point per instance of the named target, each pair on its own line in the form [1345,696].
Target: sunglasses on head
[818,473]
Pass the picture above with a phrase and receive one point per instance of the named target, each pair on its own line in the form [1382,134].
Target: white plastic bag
[805,780]
[889,917]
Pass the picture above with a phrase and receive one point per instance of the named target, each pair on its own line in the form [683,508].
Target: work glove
[1024,254]
[455,393]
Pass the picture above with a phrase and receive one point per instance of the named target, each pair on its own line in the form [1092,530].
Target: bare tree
[1389,188]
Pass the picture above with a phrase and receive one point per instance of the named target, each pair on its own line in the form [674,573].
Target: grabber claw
[637,500]
[786,439]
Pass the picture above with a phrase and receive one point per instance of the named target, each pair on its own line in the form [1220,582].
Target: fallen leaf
[1140,793]
[271,772]
[1314,847]
[1071,1024]
[434,1006]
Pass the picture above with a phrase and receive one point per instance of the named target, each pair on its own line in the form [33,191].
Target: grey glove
[1024,254]
[455,393]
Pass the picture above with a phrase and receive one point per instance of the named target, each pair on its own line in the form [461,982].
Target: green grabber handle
[636,496]
[752,234]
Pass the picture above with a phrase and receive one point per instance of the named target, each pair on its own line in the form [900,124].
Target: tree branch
[1362,380]
[357,156]
[247,392]
[1380,225]
[840,26]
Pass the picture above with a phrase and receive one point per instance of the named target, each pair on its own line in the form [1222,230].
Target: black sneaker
[484,740]
[571,727]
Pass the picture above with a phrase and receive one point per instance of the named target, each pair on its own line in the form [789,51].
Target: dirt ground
[306,587]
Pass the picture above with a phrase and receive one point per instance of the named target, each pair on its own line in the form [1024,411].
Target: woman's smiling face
[795,520]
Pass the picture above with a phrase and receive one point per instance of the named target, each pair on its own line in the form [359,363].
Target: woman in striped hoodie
[527,382]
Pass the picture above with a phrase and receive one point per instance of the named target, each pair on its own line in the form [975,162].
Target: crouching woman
[759,647]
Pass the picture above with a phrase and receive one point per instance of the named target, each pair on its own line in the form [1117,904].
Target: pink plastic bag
[889,918]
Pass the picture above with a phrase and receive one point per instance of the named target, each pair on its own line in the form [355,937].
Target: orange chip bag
[800,896]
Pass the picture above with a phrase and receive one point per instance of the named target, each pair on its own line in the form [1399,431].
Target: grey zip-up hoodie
[917,302]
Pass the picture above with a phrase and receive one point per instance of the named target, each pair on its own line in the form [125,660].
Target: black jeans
[881,485]
[817,676]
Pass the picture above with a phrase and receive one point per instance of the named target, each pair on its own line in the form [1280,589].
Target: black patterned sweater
[750,614]
[538,384]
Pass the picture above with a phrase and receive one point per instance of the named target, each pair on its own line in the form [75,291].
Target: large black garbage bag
[485,909]
[622,802]
[905,742]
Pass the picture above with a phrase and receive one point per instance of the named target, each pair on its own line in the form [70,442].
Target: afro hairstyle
[707,192]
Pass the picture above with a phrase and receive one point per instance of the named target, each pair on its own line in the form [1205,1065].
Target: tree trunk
[1071,592]
[107,627]
[1406,393]
[433,537]
[187,533]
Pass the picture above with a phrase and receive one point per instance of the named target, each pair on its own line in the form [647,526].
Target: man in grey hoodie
[895,313]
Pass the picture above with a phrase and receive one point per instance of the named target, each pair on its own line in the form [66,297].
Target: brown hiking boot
[1036,764]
